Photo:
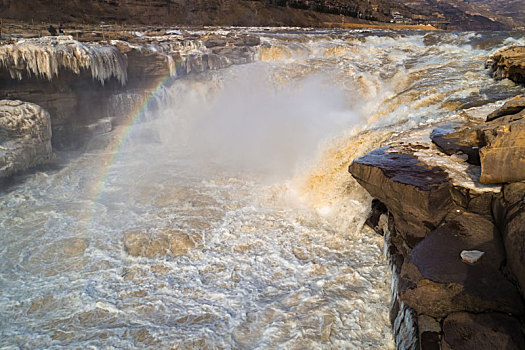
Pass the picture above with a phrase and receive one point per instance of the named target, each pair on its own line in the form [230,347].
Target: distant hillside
[471,14]
[201,12]
[511,12]
[258,12]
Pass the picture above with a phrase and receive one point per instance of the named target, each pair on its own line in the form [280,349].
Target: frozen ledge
[45,57]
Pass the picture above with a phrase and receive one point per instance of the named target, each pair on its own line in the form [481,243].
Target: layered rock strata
[78,84]
[454,226]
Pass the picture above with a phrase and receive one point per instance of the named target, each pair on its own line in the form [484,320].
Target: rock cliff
[454,222]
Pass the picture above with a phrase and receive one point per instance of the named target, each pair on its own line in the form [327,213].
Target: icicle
[171,65]
[44,57]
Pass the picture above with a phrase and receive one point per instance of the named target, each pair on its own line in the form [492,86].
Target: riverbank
[13,30]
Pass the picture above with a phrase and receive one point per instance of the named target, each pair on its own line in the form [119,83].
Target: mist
[247,122]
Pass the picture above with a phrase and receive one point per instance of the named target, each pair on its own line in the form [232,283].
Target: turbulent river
[222,215]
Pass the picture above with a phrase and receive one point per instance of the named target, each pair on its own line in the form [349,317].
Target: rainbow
[110,156]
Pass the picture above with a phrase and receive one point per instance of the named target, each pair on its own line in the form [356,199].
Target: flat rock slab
[435,281]
[417,195]
[465,331]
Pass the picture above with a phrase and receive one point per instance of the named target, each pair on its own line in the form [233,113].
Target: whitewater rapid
[234,183]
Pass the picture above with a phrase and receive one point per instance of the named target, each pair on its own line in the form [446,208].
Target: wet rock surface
[459,264]
[463,140]
[25,136]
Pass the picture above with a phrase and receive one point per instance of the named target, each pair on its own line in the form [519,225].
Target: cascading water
[224,217]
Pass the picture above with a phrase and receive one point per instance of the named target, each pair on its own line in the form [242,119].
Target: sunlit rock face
[25,136]
[508,62]
[418,195]
[502,156]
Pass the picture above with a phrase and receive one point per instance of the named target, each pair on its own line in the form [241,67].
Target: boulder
[502,158]
[417,195]
[514,193]
[465,331]
[435,281]
[508,62]
[25,136]
[496,145]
